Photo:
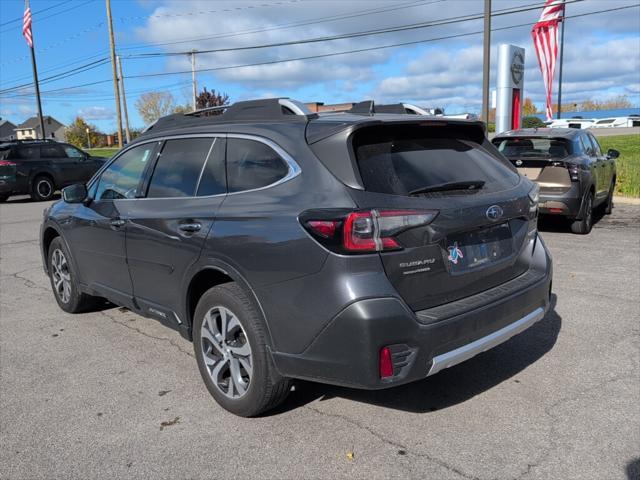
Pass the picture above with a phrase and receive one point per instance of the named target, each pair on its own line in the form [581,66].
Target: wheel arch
[209,275]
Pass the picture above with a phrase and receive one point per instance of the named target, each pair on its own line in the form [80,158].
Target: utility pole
[560,72]
[486,61]
[124,101]
[193,78]
[116,90]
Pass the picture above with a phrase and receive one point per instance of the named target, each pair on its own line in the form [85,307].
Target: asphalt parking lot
[114,395]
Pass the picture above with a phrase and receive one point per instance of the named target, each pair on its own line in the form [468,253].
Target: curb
[626,200]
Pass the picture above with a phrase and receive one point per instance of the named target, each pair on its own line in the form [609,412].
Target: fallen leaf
[168,423]
[350,455]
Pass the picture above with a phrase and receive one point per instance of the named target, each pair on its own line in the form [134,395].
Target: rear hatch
[476,237]
[542,160]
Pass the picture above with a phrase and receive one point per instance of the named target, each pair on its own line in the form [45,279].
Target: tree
[153,105]
[532,122]
[76,133]
[528,107]
[206,99]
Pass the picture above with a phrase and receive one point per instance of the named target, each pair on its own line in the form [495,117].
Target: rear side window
[402,159]
[26,152]
[252,164]
[213,179]
[179,166]
[52,151]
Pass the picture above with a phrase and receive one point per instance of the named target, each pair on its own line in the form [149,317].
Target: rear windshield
[533,147]
[401,160]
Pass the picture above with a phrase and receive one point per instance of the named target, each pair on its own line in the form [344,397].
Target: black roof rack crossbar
[207,109]
[363,108]
[268,109]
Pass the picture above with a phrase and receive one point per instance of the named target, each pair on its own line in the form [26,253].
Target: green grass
[628,164]
[102,152]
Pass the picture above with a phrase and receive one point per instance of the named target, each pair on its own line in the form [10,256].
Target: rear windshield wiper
[443,187]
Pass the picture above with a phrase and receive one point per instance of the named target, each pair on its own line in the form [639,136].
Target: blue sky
[602,52]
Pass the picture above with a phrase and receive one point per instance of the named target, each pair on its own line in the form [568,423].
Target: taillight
[574,171]
[386,363]
[364,231]
[7,163]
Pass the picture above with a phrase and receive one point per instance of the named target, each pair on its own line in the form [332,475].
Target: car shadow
[560,224]
[27,199]
[451,386]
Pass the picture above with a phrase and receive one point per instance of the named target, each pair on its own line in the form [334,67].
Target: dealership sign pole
[509,87]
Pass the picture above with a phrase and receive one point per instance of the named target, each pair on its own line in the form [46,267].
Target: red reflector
[386,364]
[555,210]
[5,163]
[324,228]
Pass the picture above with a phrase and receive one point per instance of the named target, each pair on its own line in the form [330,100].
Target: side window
[252,164]
[26,153]
[178,169]
[213,180]
[586,145]
[52,151]
[122,178]
[596,145]
[72,152]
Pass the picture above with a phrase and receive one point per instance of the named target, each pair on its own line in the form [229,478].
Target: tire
[64,280]
[583,226]
[42,188]
[246,382]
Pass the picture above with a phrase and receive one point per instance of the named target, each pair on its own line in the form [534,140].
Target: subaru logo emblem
[518,162]
[494,212]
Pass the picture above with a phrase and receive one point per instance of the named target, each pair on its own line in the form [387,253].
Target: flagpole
[33,65]
[560,71]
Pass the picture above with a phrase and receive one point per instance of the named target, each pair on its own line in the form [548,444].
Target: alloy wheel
[61,275]
[226,352]
[43,188]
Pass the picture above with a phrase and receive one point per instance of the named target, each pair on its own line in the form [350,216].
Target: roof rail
[250,110]
[32,140]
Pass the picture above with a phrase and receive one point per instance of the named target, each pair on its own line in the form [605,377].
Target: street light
[88,139]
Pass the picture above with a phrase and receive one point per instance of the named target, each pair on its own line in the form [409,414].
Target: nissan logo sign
[494,212]
[517,68]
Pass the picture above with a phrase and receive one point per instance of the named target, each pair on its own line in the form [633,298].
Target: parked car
[578,123]
[573,173]
[361,250]
[40,167]
[616,122]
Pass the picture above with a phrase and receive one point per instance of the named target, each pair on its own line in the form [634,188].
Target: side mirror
[613,153]
[75,193]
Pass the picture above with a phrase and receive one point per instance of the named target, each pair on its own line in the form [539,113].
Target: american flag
[545,41]
[26,24]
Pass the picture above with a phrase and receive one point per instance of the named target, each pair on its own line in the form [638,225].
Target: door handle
[118,222]
[190,227]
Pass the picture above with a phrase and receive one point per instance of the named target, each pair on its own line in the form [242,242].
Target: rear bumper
[422,343]
[567,204]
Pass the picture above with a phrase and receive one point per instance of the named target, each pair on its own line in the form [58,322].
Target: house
[30,129]
[7,130]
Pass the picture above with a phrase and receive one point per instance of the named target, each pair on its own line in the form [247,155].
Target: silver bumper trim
[465,352]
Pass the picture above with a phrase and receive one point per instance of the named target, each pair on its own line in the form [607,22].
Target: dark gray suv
[365,250]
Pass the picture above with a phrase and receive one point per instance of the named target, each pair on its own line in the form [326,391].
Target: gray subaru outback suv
[358,249]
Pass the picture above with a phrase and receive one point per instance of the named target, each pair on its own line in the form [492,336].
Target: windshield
[533,147]
[404,159]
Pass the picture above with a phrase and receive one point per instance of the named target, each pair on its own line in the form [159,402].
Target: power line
[49,16]
[347,52]
[400,28]
[285,26]
[35,14]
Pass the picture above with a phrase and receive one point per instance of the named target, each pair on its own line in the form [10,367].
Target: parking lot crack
[395,444]
[145,334]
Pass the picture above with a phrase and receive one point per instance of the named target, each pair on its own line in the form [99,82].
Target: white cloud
[96,113]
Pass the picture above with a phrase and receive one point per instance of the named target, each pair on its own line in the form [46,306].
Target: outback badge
[454,253]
